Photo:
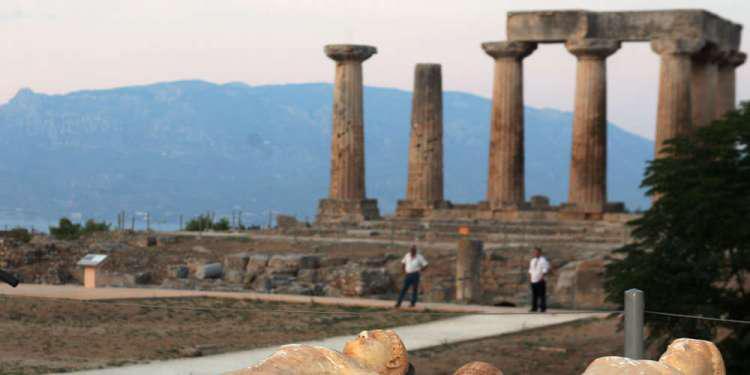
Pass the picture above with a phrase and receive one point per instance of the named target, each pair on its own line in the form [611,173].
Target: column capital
[516,50]
[733,58]
[349,52]
[592,48]
[710,54]
[665,46]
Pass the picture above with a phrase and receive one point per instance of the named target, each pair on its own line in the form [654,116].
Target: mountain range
[181,148]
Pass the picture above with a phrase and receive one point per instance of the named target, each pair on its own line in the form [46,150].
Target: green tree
[92,226]
[221,225]
[691,249]
[66,230]
[205,222]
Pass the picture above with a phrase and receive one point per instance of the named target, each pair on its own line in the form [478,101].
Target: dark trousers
[411,280]
[539,296]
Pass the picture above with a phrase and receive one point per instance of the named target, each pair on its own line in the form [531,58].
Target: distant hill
[190,146]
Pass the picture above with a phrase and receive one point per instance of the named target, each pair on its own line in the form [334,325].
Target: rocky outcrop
[306,360]
[377,352]
[683,357]
[694,357]
[478,368]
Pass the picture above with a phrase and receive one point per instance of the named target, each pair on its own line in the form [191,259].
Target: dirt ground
[42,335]
[564,349]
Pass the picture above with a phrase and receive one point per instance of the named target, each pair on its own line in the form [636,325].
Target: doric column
[346,199]
[505,181]
[704,85]
[726,91]
[425,179]
[588,167]
[674,112]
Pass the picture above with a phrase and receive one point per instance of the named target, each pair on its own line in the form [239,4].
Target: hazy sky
[58,46]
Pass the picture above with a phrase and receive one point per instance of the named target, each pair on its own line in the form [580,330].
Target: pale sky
[58,46]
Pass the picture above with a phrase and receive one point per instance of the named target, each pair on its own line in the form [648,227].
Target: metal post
[180,222]
[634,306]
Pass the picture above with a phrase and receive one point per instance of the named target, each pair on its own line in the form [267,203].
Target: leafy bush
[221,225]
[66,230]
[94,226]
[204,222]
[18,234]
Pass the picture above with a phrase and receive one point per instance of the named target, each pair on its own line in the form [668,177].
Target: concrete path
[421,336]
[81,293]
[416,337]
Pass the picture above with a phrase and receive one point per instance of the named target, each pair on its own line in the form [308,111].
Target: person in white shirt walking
[413,264]
[538,267]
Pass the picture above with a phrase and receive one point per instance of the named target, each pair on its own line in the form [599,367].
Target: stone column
[674,112]
[505,180]
[726,96]
[704,85]
[347,200]
[469,271]
[425,178]
[587,190]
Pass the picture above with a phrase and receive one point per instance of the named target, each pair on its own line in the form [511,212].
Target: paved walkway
[421,336]
[415,337]
[81,293]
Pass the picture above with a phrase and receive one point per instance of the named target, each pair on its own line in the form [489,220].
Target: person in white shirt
[538,267]
[413,263]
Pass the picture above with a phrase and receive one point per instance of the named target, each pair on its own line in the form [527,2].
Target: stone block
[580,285]
[257,263]
[237,262]
[234,276]
[308,276]
[142,278]
[210,271]
[355,280]
[286,221]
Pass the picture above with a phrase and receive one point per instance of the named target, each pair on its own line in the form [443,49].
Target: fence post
[634,306]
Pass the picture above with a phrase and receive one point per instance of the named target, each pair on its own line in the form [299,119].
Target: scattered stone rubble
[381,352]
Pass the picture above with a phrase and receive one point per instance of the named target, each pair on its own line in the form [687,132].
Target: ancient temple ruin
[699,53]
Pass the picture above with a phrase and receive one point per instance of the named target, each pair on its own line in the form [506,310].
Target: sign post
[89,263]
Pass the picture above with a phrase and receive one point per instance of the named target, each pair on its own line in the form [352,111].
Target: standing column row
[347,199]
[505,181]
[587,191]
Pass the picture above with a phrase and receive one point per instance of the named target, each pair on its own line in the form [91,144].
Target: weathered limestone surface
[726,99]
[469,271]
[346,200]
[560,26]
[674,112]
[425,179]
[704,85]
[505,182]
[588,167]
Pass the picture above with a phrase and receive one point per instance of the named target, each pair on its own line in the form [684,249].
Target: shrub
[19,234]
[94,226]
[204,222]
[66,230]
